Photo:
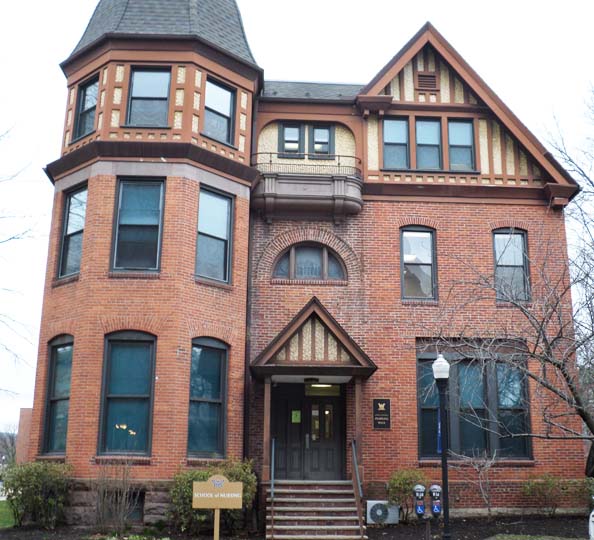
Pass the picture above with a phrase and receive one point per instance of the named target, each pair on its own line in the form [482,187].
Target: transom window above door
[309,262]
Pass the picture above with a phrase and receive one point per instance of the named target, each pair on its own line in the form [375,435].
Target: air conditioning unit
[382,513]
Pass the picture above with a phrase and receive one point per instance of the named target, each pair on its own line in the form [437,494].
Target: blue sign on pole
[420,508]
[436,508]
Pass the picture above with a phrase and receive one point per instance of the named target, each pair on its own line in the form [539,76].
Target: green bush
[37,492]
[185,519]
[546,490]
[400,489]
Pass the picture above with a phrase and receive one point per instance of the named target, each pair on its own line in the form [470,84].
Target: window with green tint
[511,265]
[138,234]
[213,252]
[511,411]
[461,145]
[309,262]
[72,235]
[84,122]
[417,264]
[58,396]
[148,105]
[206,421]
[487,409]
[128,387]
[396,148]
[428,144]
[219,107]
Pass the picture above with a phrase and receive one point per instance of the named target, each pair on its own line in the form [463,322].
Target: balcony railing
[307,164]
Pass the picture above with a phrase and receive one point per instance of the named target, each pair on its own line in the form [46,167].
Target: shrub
[546,491]
[37,492]
[400,489]
[185,519]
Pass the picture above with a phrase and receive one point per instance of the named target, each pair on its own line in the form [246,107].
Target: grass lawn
[5,515]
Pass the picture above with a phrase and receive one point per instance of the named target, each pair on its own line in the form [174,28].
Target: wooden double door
[308,426]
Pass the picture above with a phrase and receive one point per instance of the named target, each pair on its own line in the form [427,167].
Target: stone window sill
[213,283]
[122,460]
[134,275]
[58,282]
[500,463]
[53,458]
[424,303]
[203,462]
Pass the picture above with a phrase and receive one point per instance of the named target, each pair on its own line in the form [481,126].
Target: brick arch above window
[198,329]
[132,323]
[516,224]
[314,235]
[417,221]
[60,328]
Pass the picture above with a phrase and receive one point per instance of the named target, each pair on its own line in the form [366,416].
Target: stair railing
[272,467]
[357,488]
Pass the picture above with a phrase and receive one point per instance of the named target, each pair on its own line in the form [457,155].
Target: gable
[313,340]
[428,72]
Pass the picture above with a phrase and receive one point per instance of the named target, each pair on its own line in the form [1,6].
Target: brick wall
[173,306]
[372,312]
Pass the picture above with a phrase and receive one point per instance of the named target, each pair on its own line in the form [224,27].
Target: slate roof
[310,90]
[215,21]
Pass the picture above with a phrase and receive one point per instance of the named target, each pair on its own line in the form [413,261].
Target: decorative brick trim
[197,328]
[308,234]
[421,221]
[509,224]
[138,323]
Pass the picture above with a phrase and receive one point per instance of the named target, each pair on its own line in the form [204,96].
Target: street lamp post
[441,373]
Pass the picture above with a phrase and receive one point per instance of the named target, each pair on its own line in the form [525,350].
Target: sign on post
[216,493]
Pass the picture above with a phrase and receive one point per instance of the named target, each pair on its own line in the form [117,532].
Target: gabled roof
[428,34]
[357,362]
[217,22]
[310,91]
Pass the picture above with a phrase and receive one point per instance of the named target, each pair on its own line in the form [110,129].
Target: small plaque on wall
[381,414]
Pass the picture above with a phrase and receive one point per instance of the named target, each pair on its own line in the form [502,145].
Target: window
[138,233]
[149,98]
[291,141]
[321,142]
[511,265]
[127,393]
[461,142]
[85,108]
[213,253]
[417,263]
[206,421]
[309,262]
[58,395]
[396,144]
[218,112]
[72,234]
[428,144]
[487,405]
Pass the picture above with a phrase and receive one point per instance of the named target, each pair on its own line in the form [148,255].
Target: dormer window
[461,137]
[396,143]
[291,141]
[218,112]
[86,107]
[428,144]
[149,98]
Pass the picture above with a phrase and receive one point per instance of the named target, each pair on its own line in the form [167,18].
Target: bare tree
[547,334]
[8,445]
[480,463]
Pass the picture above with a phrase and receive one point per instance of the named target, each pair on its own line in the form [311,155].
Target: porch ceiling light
[321,385]
[441,368]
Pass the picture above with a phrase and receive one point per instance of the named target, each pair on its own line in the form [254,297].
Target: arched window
[128,377]
[208,403]
[417,263]
[58,395]
[309,262]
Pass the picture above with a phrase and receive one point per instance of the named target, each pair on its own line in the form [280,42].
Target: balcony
[307,185]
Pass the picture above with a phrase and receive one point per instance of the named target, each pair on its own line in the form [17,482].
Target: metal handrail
[357,487]
[272,467]
[308,164]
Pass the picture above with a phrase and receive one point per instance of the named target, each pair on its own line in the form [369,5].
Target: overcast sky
[536,55]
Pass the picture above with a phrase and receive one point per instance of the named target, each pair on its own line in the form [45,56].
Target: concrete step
[311,509]
[317,517]
[279,527]
[326,500]
[321,491]
[311,483]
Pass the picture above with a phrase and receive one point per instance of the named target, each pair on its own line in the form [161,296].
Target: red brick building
[235,262]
